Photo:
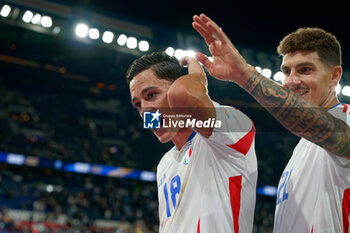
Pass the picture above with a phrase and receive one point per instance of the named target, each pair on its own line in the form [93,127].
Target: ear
[336,75]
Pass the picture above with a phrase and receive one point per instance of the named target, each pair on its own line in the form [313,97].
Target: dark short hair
[163,66]
[324,43]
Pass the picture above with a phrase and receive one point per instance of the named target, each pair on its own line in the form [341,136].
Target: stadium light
[346,91]
[258,68]
[27,17]
[278,76]
[36,19]
[122,40]
[266,72]
[179,53]
[338,89]
[56,30]
[170,51]
[46,21]
[143,45]
[131,42]
[94,33]
[5,11]
[107,37]
[81,30]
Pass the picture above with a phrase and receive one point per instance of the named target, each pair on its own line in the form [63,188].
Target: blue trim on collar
[191,136]
[337,105]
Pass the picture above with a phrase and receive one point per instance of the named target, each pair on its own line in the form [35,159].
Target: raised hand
[227,64]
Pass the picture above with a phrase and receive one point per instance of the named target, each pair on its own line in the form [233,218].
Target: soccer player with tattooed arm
[313,194]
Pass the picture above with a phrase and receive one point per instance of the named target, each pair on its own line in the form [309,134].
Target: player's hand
[228,64]
[194,68]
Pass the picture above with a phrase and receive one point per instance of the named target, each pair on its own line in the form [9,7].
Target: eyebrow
[301,64]
[142,92]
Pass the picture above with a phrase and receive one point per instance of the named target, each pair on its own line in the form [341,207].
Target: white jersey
[313,194]
[210,184]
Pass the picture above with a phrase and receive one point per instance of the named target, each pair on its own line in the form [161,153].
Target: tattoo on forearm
[299,116]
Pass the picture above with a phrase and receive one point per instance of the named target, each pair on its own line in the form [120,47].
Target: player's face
[149,93]
[307,76]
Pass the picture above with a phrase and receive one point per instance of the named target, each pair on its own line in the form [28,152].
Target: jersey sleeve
[342,112]
[236,130]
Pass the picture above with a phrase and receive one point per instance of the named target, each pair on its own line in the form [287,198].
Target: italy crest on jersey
[188,153]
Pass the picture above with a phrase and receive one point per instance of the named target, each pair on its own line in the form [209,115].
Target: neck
[181,137]
[329,103]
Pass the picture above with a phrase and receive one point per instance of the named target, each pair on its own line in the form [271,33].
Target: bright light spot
[266,72]
[131,43]
[56,30]
[179,53]
[190,53]
[46,21]
[258,68]
[338,89]
[143,45]
[170,51]
[5,11]
[81,30]
[122,40]
[49,188]
[211,59]
[36,19]
[279,76]
[346,91]
[94,33]
[27,17]
[107,37]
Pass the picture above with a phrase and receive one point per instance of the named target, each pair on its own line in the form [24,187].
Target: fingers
[204,60]
[208,29]
[192,64]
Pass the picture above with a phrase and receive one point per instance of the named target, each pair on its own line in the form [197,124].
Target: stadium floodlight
[266,72]
[338,89]
[278,76]
[5,11]
[346,91]
[49,188]
[107,37]
[143,45]
[94,33]
[131,42]
[170,51]
[27,17]
[56,30]
[36,19]
[46,21]
[179,53]
[122,39]
[258,68]
[81,30]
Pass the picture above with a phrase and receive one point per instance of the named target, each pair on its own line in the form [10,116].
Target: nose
[291,81]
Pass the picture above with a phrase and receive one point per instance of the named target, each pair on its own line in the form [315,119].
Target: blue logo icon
[151,120]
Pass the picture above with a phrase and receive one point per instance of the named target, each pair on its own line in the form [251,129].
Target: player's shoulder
[166,157]
[341,111]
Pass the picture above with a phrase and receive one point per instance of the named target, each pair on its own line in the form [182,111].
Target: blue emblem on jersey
[151,120]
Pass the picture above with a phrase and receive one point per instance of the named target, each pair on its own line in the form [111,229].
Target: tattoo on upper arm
[299,116]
